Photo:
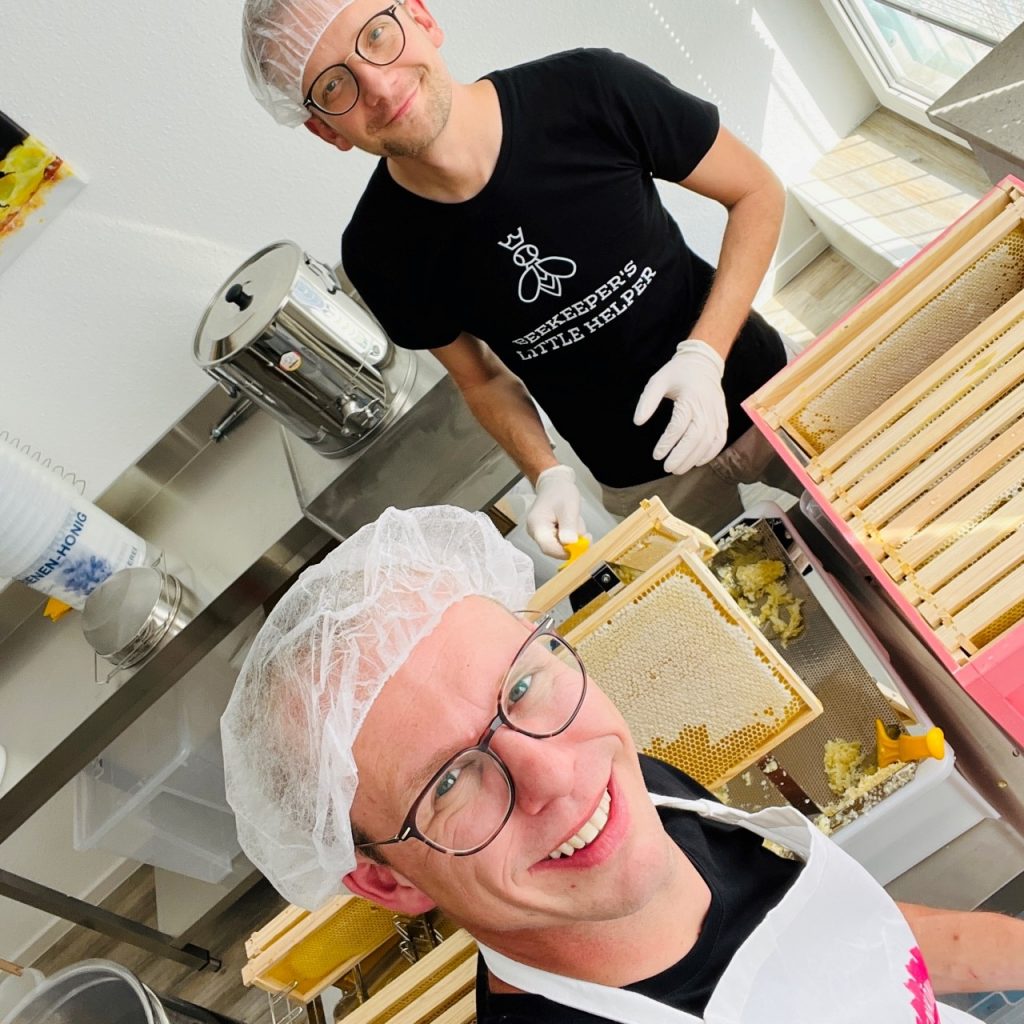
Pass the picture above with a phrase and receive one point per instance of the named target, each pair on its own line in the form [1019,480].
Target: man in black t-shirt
[514,229]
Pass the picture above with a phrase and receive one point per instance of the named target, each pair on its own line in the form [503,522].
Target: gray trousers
[707,496]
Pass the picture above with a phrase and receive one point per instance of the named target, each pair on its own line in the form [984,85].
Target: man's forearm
[751,234]
[969,951]
[505,410]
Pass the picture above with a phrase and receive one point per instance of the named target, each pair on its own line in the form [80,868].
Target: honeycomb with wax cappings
[918,342]
[357,927]
[698,689]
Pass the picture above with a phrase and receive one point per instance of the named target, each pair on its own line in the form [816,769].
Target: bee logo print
[541,275]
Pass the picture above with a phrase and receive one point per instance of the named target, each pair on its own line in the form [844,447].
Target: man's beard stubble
[437,110]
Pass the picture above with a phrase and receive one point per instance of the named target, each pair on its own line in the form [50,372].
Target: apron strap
[783,825]
[602,1001]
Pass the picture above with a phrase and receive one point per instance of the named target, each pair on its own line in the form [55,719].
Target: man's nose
[376,82]
[543,770]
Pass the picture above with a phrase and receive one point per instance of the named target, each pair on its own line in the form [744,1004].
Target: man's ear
[324,131]
[383,885]
[417,10]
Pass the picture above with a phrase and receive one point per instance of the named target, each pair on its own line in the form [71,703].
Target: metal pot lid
[247,302]
[117,611]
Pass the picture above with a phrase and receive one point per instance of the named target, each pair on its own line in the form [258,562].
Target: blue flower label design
[83,575]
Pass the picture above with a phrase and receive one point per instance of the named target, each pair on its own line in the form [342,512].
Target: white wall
[187,177]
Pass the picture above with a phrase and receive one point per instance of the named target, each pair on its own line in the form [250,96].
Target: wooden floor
[817,297]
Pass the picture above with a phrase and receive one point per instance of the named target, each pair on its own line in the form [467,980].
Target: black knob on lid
[238,295]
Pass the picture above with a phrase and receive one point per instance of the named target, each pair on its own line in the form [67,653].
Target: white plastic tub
[156,794]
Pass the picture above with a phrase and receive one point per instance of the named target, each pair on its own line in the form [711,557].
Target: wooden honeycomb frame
[636,683]
[270,948]
[924,488]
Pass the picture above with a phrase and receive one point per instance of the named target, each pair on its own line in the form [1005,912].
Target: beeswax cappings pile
[856,788]
[757,585]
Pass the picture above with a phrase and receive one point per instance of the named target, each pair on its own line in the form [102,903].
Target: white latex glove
[692,379]
[554,517]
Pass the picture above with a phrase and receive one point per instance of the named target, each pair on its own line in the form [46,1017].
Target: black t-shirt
[746,881]
[566,263]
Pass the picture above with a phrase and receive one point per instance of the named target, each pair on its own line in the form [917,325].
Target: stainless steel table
[434,452]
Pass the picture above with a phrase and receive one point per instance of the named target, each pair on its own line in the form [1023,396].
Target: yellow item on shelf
[358,927]
[55,609]
[909,748]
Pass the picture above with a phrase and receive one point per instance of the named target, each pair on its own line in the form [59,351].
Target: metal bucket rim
[107,971]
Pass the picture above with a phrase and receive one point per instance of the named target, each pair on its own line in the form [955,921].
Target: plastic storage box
[905,423]
[156,794]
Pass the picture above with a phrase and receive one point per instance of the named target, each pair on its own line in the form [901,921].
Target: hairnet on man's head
[278,38]
[317,665]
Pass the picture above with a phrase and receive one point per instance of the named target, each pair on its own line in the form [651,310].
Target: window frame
[858,32]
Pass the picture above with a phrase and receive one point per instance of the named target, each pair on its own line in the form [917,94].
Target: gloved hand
[695,434]
[554,517]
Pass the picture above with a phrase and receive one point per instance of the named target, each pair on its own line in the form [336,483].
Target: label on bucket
[88,547]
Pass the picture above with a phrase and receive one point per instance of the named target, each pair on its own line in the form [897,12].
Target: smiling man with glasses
[520,214]
[399,733]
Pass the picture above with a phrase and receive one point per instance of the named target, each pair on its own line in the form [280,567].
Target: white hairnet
[278,37]
[319,662]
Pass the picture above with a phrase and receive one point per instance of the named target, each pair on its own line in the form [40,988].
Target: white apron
[835,950]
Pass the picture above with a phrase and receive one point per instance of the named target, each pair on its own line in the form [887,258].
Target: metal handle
[325,274]
[224,381]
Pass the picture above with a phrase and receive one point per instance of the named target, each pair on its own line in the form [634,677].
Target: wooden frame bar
[651,517]
[456,955]
[767,398]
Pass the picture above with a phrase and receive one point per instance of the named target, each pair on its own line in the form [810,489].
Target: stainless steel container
[135,613]
[104,992]
[282,332]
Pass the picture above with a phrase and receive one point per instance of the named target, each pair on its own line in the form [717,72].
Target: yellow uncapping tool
[908,748]
[575,548]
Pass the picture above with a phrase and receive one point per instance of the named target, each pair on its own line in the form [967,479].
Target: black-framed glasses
[380,41]
[469,799]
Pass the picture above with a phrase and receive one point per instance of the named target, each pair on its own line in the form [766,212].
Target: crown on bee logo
[514,240]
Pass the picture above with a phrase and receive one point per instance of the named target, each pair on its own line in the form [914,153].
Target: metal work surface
[823,660]
[199,504]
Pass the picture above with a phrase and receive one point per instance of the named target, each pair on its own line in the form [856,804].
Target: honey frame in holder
[298,933]
[754,733]
[650,523]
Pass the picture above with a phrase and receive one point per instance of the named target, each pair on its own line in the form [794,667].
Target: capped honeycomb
[698,688]
[919,341]
[359,926]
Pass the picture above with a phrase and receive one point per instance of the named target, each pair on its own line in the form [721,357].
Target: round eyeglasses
[380,42]
[469,799]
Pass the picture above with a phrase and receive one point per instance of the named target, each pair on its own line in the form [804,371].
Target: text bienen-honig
[62,551]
